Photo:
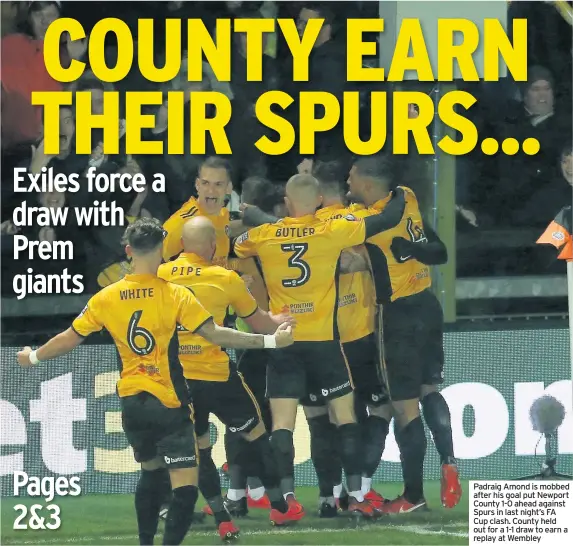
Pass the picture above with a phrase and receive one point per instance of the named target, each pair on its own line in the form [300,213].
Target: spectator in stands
[10,15]
[520,176]
[24,71]
[40,159]
[544,203]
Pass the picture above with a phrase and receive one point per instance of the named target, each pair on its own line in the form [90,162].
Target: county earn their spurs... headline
[215,386]
[300,259]
[141,312]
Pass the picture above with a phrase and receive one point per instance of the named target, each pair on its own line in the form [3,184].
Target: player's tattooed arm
[233,339]
[59,345]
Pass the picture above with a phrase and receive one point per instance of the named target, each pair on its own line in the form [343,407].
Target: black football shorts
[231,401]
[365,369]
[253,367]
[413,346]
[306,365]
[153,429]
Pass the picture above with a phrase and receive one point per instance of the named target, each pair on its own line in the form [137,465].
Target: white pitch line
[414,529]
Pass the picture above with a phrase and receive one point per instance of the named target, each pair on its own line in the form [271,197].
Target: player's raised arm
[59,345]
[85,324]
[195,318]
[351,231]
[233,339]
[431,251]
[253,216]
[390,217]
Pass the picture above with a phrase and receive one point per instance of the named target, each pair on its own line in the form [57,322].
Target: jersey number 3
[297,250]
[134,332]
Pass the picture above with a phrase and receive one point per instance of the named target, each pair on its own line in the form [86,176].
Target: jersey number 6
[295,260]
[134,331]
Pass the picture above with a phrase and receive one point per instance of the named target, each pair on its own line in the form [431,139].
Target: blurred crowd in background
[502,202]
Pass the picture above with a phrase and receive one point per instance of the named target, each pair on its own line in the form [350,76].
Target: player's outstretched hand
[283,336]
[24,357]
[283,318]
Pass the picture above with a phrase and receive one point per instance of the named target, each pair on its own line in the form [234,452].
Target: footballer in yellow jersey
[213,184]
[215,384]
[300,259]
[356,317]
[207,365]
[218,288]
[141,312]
[355,293]
[410,331]
[146,311]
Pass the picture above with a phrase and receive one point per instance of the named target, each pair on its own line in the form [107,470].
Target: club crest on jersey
[350,218]
[558,236]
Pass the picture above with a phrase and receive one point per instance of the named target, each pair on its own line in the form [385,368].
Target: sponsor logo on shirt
[348,299]
[300,308]
[148,369]
[190,350]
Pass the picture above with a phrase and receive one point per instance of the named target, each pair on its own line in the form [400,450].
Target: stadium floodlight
[546,415]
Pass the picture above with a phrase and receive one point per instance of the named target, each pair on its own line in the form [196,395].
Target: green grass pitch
[110,519]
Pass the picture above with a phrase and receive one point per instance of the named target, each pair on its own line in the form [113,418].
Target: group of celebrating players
[334,311]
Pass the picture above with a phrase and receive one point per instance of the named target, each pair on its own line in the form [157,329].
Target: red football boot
[363,509]
[294,513]
[402,506]
[451,487]
[374,498]
[263,503]
[207,510]
[228,531]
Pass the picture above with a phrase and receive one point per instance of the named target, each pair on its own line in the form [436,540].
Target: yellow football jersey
[141,313]
[174,227]
[216,288]
[356,298]
[300,261]
[405,276]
